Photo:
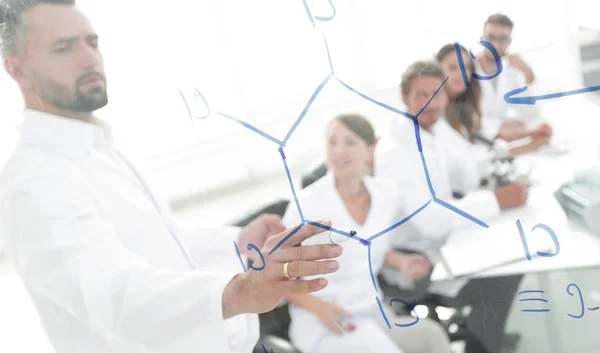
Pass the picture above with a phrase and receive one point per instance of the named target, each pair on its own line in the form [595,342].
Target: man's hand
[517,62]
[257,233]
[512,195]
[261,291]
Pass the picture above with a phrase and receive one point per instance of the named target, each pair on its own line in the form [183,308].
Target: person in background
[100,254]
[397,158]
[345,316]
[516,73]
[463,111]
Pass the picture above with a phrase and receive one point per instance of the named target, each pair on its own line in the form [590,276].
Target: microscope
[499,167]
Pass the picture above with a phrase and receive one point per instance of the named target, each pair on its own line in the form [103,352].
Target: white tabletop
[576,123]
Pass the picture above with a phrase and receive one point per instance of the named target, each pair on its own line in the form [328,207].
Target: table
[579,259]
[579,248]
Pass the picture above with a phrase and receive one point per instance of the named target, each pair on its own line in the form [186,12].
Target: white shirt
[351,287]
[451,168]
[106,266]
[494,108]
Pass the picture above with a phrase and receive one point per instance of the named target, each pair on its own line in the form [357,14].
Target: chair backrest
[314,175]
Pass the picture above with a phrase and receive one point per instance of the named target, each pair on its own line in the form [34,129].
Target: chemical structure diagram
[281,144]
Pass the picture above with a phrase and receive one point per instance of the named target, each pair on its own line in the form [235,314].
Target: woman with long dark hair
[464,112]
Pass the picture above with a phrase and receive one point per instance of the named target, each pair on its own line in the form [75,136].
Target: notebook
[475,249]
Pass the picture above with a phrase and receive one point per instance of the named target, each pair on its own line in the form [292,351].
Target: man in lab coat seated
[106,266]
[451,168]
[499,116]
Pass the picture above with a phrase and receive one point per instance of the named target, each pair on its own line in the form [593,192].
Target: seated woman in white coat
[464,109]
[345,317]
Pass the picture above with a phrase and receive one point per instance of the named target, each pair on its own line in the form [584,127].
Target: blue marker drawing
[319,18]
[570,288]
[328,54]
[265,349]
[251,127]
[328,18]
[309,13]
[387,322]
[580,300]
[291,234]
[489,46]
[203,110]
[540,253]
[239,256]
[371,270]
[251,247]
[510,98]
[282,143]
[396,300]
[461,64]
[306,108]
[533,299]
[401,222]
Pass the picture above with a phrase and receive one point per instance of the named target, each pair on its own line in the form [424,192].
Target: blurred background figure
[450,168]
[464,111]
[345,317]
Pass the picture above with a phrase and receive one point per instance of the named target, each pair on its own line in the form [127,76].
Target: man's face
[61,63]
[499,36]
[421,90]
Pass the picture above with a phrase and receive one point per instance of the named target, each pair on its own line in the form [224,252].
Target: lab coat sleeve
[66,252]
[214,248]
[397,165]
[525,112]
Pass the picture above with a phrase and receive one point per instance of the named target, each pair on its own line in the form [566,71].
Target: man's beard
[82,102]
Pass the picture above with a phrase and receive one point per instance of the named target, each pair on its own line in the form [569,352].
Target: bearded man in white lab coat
[106,266]
[450,168]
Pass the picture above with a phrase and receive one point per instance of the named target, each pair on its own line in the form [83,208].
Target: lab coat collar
[329,183]
[403,129]
[66,136]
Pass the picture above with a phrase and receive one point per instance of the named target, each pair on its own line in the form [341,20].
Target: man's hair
[500,20]
[420,68]
[12,26]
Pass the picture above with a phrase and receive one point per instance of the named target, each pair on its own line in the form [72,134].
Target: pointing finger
[294,236]
[308,253]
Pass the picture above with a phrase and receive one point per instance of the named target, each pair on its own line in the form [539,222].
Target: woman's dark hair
[359,125]
[465,109]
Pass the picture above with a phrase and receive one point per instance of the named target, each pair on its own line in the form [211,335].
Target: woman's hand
[543,130]
[512,124]
[412,266]
[335,318]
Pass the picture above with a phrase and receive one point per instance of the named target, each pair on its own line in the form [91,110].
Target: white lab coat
[351,287]
[451,167]
[106,266]
[494,108]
